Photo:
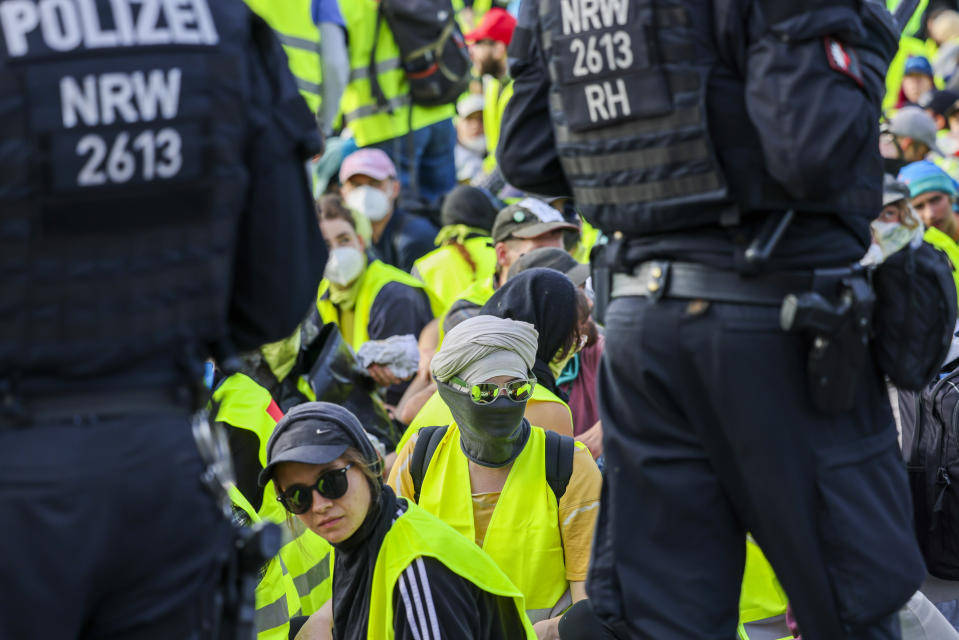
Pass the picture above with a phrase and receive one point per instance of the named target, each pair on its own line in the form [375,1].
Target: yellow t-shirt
[578,508]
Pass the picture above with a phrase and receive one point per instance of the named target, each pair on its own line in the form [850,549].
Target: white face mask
[370,201]
[476,145]
[344,265]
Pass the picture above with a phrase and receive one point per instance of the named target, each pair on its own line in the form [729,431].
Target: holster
[838,337]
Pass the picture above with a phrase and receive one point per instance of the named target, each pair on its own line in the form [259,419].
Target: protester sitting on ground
[488,457]
[367,298]
[464,254]
[916,80]
[898,212]
[909,136]
[578,379]
[933,196]
[546,299]
[518,229]
[371,188]
[297,580]
[399,572]
[470,148]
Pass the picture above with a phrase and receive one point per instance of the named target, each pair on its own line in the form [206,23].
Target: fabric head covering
[546,299]
[923,176]
[484,347]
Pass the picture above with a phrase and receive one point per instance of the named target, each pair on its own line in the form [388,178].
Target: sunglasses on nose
[487,392]
[298,498]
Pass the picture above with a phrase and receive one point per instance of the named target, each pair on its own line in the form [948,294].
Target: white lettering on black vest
[66,25]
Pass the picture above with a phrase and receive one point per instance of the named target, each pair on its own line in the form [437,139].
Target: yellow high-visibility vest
[292,22]
[305,556]
[417,534]
[526,514]
[371,122]
[376,276]
[446,273]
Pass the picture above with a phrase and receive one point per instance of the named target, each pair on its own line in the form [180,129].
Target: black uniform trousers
[708,434]
[107,531]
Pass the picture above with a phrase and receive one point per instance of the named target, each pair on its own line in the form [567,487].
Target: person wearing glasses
[399,572]
[527,496]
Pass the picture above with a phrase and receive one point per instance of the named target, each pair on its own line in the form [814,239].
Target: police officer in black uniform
[153,203]
[730,148]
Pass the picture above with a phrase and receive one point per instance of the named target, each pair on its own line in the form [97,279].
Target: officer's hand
[382,375]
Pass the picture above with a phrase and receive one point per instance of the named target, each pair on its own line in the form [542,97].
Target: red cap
[497,24]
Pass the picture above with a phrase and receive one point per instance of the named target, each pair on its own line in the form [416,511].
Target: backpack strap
[427,439]
[559,462]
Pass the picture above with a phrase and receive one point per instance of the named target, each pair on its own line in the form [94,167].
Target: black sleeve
[526,151]
[280,254]
[398,310]
[808,97]
[430,602]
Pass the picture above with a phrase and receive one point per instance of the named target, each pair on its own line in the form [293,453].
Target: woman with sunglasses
[399,572]
[486,472]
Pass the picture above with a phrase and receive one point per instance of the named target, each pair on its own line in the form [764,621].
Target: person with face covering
[546,299]
[366,298]
[399,572]
[371,188]
[487,473]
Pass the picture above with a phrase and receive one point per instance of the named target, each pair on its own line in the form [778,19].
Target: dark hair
[332,207]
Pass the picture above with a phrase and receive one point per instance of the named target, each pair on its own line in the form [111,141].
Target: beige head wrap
[484,347]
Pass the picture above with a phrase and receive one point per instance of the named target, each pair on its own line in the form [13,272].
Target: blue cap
[918,64]
[923,177]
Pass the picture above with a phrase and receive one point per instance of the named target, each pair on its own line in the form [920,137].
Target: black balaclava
[546,299]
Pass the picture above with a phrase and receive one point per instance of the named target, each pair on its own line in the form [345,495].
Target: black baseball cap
[552,258]
[313,433]
[528,218]
[941,103]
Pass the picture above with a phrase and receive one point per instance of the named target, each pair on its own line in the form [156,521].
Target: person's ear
[501,251]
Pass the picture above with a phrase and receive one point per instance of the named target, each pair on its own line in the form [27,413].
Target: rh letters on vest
[598,47]
[92,95]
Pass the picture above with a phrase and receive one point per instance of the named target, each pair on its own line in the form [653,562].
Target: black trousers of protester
[709,434]
[106,531]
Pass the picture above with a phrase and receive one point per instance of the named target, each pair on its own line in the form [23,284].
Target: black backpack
[930,444]
[432,50]
[558,458]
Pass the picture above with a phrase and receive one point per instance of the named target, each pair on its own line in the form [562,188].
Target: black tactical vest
[122,133]
[651,126]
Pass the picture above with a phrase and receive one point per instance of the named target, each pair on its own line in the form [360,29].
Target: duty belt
[693,281]
[18,410]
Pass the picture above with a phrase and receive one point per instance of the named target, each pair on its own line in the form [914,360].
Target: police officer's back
[695,132]
[152,204]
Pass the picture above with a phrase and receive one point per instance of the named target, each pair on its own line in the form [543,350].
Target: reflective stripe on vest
[292,22]
[446,273]
[526,511]
[435,412]
[370,122]
[374,278]
[244,404]
[417,534]
[762,601]
[496,97]
[275,596]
